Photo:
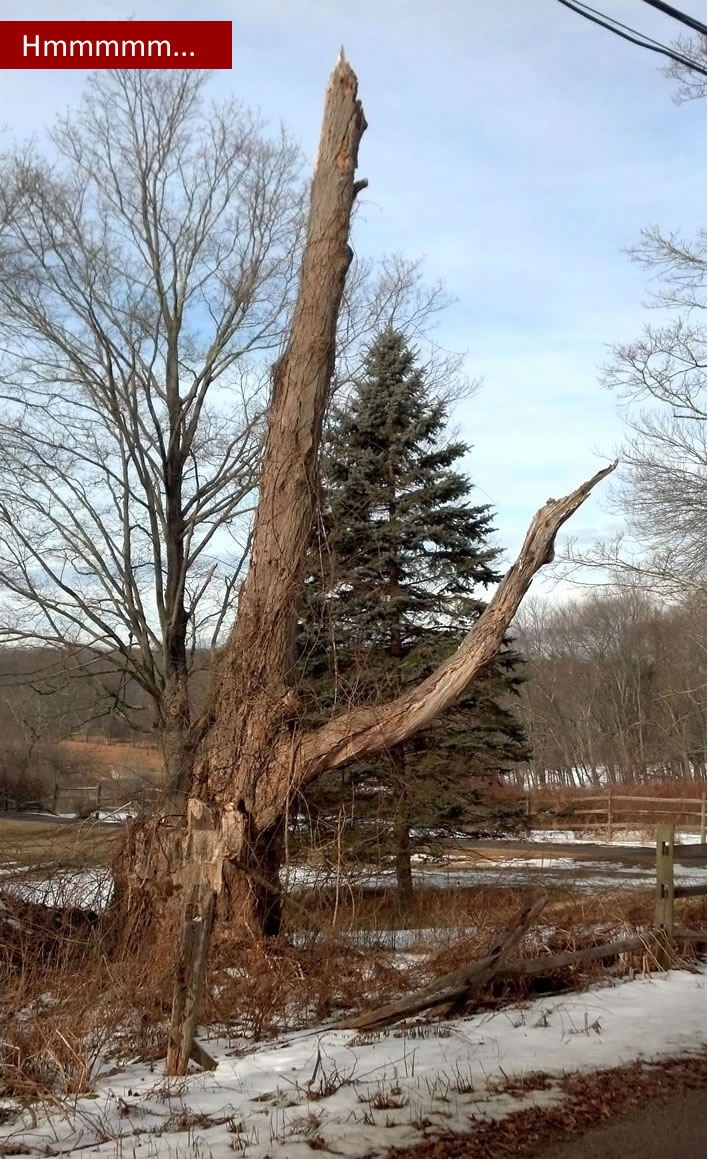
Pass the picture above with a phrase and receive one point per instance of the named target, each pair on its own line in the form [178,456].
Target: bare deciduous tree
[660,380]
[691,81]
[616,688]
[149,266]
[148,276]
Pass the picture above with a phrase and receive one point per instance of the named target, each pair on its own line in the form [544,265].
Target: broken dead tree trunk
[458,986]
[244,771]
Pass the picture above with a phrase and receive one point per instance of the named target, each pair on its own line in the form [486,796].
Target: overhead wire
[638,38]
[677,14]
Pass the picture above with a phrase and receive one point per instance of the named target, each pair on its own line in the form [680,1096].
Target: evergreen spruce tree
[398,560]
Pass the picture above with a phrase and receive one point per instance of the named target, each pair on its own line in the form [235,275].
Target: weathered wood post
[609,814]
[55,798]
[664,906]
[703,818]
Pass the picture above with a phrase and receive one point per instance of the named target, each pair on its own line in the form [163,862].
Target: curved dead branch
[367,730]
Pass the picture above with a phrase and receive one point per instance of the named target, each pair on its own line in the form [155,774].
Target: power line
[611,20]
[676,14]
[639,38]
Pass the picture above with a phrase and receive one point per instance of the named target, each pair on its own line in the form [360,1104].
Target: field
[33,839]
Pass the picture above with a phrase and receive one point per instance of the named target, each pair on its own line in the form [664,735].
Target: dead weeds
[589,1099]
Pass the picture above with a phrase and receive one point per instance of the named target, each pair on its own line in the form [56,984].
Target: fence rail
[615,804]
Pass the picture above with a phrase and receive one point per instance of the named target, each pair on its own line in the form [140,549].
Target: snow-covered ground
[619,837]
[89,888]
[330,1093]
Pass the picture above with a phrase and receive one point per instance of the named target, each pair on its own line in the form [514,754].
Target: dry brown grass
[105,756]
[72,843]
[69,1008]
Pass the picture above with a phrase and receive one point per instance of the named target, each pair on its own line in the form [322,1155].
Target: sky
[517,150]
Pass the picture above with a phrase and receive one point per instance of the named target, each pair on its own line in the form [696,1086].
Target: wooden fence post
[703,818]
[55,799]
[609,813]
[664,908]
[98,796]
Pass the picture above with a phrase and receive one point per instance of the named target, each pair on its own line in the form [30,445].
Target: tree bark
[404,873]
[177,737]
[401,827]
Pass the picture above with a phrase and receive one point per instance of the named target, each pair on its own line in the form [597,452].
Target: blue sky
[513,146]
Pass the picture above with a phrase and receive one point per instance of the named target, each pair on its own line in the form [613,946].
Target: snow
[352,1094]
[619,837]
[89,889]
[122,814]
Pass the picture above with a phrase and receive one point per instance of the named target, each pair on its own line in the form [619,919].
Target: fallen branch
[696,936]
[548,963]
[458,986]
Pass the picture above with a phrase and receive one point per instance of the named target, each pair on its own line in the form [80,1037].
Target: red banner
[92,44]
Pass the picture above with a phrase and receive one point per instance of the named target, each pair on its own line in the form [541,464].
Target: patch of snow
[331,1093]
[123,814]
[619,837]
[88,889]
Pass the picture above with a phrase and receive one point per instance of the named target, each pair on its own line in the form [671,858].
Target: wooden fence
[666,890]
[87,799]
[606,809]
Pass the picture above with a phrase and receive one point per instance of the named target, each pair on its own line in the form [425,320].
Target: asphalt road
[668,1127]
[688,855]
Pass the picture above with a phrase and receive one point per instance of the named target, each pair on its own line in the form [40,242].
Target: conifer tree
[398,566]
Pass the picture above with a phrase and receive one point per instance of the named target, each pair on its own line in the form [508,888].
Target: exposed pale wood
[189,975]
[457,985]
